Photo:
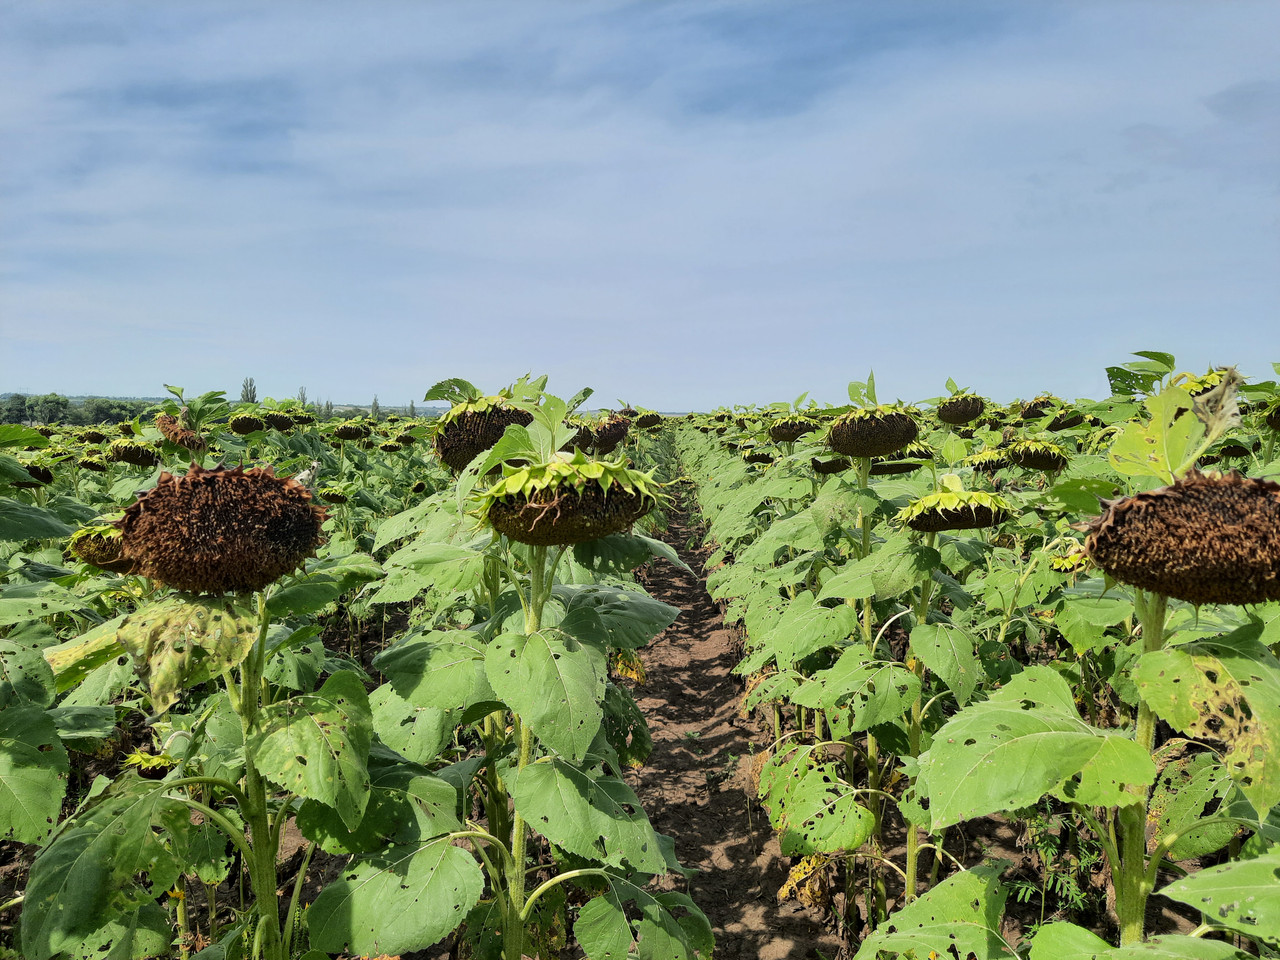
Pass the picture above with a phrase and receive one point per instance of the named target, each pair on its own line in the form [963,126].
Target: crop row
[1045,614]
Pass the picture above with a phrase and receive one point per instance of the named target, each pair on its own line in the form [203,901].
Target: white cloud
[702,203]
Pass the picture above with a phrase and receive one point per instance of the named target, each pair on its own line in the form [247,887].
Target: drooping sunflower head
[220,530]
[1204,539]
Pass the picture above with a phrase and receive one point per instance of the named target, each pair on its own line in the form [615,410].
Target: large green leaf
[605,932]
[811,807]
[33,774]
[554,683]
[76,659]
[896,566]
[1026,741]
[25,675]
[403,898]
[23,602]
[316,745]
[322,584]
[181,641]
[612,617]
[406,805]
[948,651]
[442,669]
[1157,447]
[621,553]
[1224,689]
[23,521]
[417,733]
[874,691]
[446,568]
[435,519]
[960,917]
[1187,790]
[1066,941]
[1243,895]
[86,878]
[806,627]
[595,817]
[1084,620]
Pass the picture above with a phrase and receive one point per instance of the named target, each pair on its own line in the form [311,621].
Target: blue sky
[683,205]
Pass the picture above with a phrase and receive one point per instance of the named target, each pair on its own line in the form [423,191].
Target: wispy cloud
[685,204]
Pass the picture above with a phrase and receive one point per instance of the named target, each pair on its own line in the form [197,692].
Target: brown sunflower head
[174,431]
[873,432]
[1203,539]
[565,515]
[99,546]
[220,530]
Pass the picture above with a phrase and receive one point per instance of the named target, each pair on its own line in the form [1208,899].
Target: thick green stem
[541,580]
[262,859]
[1130,875]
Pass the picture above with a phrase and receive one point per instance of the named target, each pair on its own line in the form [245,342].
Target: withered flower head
[173,430]
[220,530]
[1204,539]
[99,546]
[961,409]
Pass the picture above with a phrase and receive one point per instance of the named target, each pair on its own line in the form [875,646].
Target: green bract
[954,508]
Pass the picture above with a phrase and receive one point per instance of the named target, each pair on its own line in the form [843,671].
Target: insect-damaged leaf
[316,745]
[181,641]
[1244,895]
[402,898]
[554,683]
[442,669]
[87,877]
[33,774]
[960,917]
[813,809]
[1026,741]
[1225,690]
[605,932]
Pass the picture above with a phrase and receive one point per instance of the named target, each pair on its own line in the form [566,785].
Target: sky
[684,205]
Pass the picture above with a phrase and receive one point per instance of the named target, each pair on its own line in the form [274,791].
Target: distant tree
[14,409]
[375,411]
[248,391]
[302,396]
[411,410]
[328,408]
[49,408]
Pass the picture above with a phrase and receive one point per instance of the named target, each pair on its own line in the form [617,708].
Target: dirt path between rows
[694,785]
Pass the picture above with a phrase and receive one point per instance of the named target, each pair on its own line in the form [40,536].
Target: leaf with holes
[88,876]
[1186,791]
[554,683]
[417,733]
[875,692]
[33,774]
[1244,896]
[813,809]
[1007,752]
[402,898]
[1225,690]
[178,642]
[24,602]
[316,745]
[606,932]
[25,675]
[960,917]
[595,817]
